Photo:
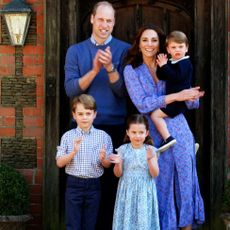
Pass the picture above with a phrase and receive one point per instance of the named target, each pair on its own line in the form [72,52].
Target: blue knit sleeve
[72,73]
[118,87]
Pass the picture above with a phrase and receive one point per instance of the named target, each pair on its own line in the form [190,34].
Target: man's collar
[105,43]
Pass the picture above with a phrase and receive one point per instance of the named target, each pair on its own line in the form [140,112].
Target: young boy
[177,72]
[83,151]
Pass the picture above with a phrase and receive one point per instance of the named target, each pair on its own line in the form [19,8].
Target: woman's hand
[190,94]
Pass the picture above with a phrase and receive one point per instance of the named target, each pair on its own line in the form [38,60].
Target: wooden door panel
[126,24]
[153,14]
[133,14]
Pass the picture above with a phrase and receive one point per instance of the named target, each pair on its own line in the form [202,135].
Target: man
[94,66]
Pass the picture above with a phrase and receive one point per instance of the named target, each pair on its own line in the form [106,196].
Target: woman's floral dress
[179,199]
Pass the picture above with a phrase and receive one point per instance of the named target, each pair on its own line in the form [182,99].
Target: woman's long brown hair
[134,56]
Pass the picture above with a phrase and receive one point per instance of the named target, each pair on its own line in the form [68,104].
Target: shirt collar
[175,61]
[83,132]
[105,43]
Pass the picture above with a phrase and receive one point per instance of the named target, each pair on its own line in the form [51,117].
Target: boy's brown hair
[177,36]
[86,100]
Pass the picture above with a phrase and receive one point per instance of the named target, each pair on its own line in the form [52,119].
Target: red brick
[40,101]
[40,29]
[7,60]
[7,70]
[33,50]
[33,70]
[32,1]
[32,111]
[40,80]
[33,60]
[39,163]
[7,49]
[39,9]
[5,1]
[28,174]
[7,111]
[33,132]
[38,177]
[33,121]
[35,199]
[40,39]
[9,121]
[29,60]
[40,90]
[40,142]
[40,152]
[40,19]
[7,132]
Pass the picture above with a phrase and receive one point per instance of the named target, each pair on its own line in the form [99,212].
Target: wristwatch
[113,69]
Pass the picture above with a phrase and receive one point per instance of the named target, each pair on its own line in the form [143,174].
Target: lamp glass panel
[16,23]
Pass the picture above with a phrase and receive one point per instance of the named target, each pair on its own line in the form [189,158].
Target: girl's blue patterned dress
[179,199]
[136,201]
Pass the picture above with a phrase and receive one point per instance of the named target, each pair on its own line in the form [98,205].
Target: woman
[180,203]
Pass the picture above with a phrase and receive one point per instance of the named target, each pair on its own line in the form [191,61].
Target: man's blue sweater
[110,97]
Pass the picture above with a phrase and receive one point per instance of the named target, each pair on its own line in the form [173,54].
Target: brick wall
[22,106]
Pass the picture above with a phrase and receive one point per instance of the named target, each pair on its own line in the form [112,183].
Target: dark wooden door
[204,23]
[130,15]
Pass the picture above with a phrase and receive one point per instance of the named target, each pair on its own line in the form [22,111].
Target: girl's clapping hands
[115,158]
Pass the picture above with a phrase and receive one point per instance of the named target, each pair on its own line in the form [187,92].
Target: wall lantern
[17,16]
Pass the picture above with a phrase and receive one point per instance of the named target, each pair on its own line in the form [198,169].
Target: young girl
[136,164]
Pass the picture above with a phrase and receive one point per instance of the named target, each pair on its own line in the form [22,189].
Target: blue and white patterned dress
[136,201]
[179,199]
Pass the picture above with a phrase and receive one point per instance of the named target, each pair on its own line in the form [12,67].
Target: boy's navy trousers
[82,200]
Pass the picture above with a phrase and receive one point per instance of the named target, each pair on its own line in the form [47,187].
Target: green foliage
[14,194]
[226,198]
